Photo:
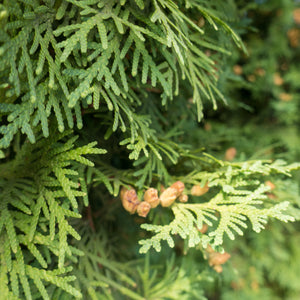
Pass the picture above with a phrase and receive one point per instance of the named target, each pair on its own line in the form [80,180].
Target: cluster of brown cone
[132,204]
[215,259]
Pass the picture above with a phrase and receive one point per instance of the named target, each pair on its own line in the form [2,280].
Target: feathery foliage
[136,77]
[233,201]
[39,194]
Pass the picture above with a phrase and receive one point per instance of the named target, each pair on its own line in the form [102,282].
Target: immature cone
[260,72]
[168,196]
[203,229]
[216,258]
[277,79]
[251,78]
[129,199]
[285,97]
[271,196]
[230,154]
[296,15]
[143,209]
[218,268]
[197,190]
[201,22]
[179,186]
[151,197]
[209,249]
[238,70]
[270,184]
[294,37]
[183,198]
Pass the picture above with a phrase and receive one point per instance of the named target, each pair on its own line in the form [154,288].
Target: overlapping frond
[39,195]
[76,54]
[236,199]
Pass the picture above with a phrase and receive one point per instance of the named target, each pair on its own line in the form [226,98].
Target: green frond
[42,194]
[226,213]
[40,47]
[138,76]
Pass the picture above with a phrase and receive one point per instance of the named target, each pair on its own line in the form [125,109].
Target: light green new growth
[234,201]
[44,189]
[116,69]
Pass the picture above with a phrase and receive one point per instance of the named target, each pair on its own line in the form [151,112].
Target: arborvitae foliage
[102,103]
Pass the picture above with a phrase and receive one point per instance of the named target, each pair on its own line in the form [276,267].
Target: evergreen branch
[237,200]
[106,72]
[41,194]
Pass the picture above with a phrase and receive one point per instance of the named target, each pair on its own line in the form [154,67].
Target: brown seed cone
[179,186]
[296,15]
[294,37]
[238,70]
[125,190]
[285,97]
[270,184]
[230,154]
[251,78]
[197,190]
[143,209]
[129,199]
[151,197]
[271,196]
[201,22]
[183,198]
[218,268]
[203,229]
[216,258]
[277,79]
[260,72]
[209,249]
[168,196]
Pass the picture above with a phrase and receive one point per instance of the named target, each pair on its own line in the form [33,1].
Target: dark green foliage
[164,88]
